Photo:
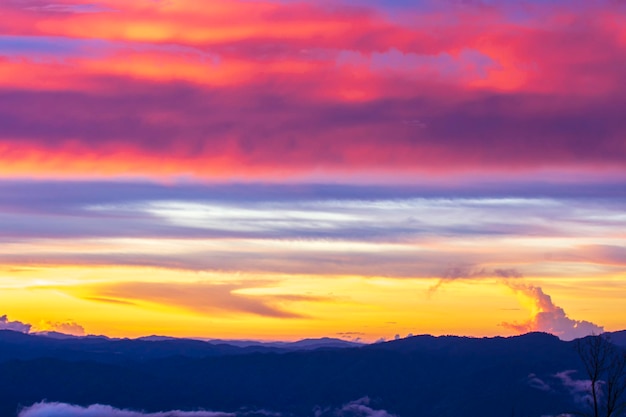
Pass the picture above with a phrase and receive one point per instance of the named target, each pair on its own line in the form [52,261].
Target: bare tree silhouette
[605,365]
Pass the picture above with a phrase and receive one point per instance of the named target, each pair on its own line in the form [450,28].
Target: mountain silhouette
[421,376]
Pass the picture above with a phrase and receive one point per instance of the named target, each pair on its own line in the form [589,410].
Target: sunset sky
[281,169]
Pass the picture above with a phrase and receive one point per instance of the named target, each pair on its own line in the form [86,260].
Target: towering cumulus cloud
[547,317]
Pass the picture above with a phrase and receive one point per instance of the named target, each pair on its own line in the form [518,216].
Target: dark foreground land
[423,376]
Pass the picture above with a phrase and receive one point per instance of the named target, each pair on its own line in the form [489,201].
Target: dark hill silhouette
[421,376]
[618,338]
[14,345]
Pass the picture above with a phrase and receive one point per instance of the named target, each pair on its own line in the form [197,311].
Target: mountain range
[532,375]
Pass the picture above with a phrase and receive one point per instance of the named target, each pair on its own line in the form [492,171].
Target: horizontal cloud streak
[199,297]
[67,410]
[358,408]
[244,142]
[313,229]
[336,212]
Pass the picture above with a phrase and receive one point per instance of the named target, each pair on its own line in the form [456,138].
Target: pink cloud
[267,89]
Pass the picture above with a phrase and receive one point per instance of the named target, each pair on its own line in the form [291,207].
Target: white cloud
[66,410]
[579,389]
[358,408]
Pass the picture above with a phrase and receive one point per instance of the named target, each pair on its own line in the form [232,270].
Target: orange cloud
[202,298]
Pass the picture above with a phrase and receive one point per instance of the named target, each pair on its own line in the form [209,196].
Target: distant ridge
[16,345]
[304,344]
[618,338]
[309,344]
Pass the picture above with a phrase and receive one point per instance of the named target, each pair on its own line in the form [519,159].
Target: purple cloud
[16,326]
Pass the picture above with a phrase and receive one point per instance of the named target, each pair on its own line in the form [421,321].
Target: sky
[276,170]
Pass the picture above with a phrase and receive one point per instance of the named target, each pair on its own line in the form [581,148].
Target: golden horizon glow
[348,307]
